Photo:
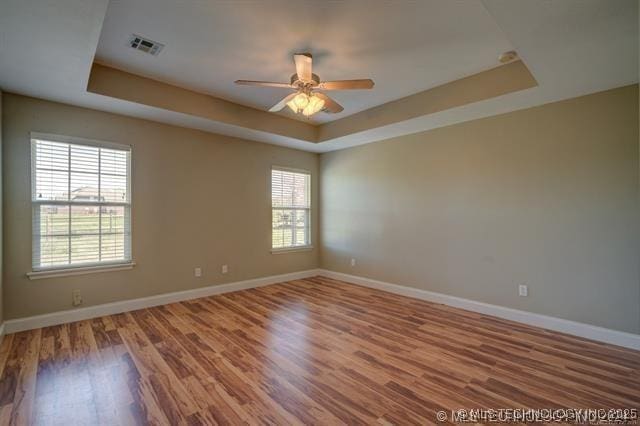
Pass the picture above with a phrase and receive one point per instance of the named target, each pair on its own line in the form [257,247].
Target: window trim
[289,249]
[284,250]
[78,140]
[85,267]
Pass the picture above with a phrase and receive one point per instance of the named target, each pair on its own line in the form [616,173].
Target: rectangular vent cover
[145,45]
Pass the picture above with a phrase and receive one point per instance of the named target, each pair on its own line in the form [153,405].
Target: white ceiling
[405,47]
[572,47]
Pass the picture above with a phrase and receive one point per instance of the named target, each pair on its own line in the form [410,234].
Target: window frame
[309,244]
[83,267]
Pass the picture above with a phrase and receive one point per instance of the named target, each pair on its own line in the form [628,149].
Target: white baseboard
[61,317]
[614,337]
[588,331]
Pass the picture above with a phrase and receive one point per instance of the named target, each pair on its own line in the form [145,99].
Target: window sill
[52,273]
[291,249]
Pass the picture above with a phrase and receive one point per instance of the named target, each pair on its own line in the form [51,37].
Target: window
[81,201]
[291,208]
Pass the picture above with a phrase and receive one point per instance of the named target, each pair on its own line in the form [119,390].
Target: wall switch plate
[76,298]
[197,272]
[353,262]
[225,269]
[523,290]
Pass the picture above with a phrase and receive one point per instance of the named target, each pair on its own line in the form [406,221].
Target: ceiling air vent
[145,45]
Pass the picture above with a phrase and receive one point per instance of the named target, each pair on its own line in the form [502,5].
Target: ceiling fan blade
[330,105]
[346,84]
[303,65]
[283,103]
[262,83]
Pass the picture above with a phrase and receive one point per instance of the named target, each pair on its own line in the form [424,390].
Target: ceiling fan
[306,99]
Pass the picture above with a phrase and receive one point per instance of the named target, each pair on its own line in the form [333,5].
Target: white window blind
[291,208]
[81,202]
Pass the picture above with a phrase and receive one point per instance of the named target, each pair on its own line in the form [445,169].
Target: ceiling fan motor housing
[296,82]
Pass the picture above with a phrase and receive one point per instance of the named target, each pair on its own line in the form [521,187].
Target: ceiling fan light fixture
[301,100]
[315,105]
[292,105]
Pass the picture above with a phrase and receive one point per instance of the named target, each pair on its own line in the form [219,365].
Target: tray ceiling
[413,51]
[405,47]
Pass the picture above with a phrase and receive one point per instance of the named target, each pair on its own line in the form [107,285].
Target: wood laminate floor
[314,351]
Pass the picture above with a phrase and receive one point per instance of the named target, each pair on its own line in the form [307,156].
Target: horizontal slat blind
[81,204]
[291,208]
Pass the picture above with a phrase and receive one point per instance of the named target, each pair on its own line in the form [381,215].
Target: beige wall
[546,196]
[198,200]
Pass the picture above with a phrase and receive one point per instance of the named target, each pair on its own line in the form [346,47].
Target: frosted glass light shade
[315,104]
[292,105]
[301,100]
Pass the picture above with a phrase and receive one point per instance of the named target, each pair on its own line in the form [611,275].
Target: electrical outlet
[523,290]
[76,298]
[353,262]
[197,272]
[225,269]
